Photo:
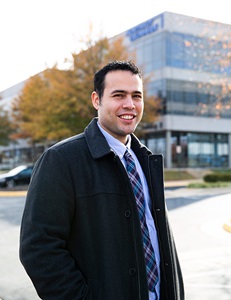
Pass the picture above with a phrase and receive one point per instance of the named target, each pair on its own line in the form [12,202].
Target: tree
[35,110]
[56,103]
[5,127]
[152,111]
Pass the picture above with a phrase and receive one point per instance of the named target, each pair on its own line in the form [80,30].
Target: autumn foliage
[6,128]
[56,104]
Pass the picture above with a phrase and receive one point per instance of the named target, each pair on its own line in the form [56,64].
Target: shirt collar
[118,147]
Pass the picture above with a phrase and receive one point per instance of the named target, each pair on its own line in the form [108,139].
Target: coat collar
[96,142]
[99,147]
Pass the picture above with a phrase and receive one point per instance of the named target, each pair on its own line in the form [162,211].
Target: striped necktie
[151,267]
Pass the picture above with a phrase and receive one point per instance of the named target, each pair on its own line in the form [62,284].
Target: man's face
[121,107]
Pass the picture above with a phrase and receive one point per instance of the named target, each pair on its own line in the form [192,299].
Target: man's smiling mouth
[127,117]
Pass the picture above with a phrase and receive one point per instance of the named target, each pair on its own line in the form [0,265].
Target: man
[82,236]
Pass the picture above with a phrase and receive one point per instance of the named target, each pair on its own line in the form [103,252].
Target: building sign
[146,28]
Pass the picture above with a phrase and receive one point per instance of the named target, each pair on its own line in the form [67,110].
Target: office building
[189,61]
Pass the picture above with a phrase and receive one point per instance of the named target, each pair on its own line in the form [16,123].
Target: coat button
[132,271]
[127,213]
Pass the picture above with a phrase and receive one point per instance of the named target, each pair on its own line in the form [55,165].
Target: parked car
[17,176]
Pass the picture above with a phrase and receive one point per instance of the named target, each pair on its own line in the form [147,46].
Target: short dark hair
[99,78]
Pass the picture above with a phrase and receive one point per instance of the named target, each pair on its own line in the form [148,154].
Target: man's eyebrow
[126,92]
[118,91]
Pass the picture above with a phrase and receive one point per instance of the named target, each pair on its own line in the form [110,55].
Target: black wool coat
[80,233]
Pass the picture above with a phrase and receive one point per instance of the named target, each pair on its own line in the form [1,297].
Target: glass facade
[199,150]
[177,50]
[191,98]
[157,144]
[150,52]
[196,99]
[16,156]
[193,149]
[197,53]
[207,95]
[209,99]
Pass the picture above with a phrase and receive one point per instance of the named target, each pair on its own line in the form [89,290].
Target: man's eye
[138,96]
[118,95]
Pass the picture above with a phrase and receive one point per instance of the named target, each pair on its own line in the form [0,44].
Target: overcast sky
[34,34]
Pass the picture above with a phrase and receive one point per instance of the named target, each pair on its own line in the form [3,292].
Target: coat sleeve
[45,227]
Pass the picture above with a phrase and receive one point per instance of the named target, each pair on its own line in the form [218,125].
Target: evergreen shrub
[217,177]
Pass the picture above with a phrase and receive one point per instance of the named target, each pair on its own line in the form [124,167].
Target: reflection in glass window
[157,144]
[193,98]
[197,53]
[199,150]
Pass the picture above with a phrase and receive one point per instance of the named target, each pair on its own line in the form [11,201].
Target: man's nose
[128,102]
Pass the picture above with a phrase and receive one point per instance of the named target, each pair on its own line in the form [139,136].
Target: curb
[180,183]
[12,194]
[227,226]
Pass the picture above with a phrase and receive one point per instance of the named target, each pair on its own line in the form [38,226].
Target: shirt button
[132,271]
[127,213]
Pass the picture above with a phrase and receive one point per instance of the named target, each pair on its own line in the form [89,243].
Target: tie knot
[128,158]
[127,154]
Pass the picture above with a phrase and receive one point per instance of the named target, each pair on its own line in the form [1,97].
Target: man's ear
[95,100]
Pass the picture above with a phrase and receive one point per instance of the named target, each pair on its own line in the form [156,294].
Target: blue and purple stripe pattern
[151,267]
